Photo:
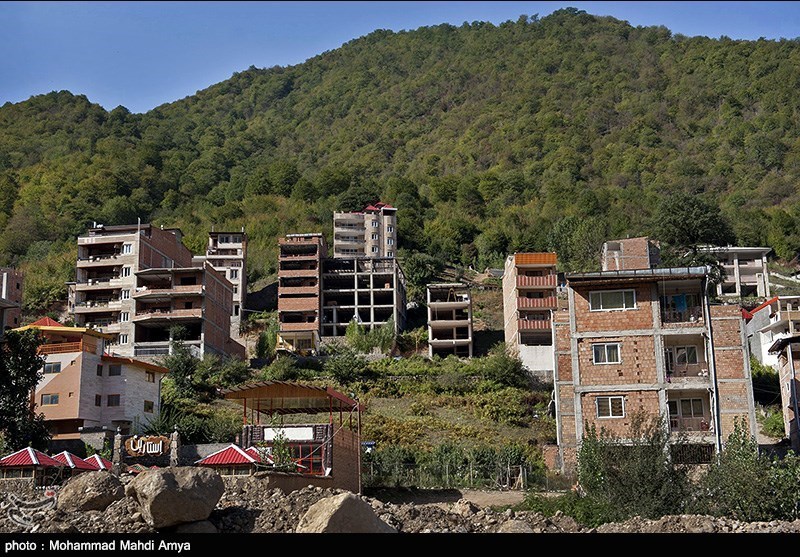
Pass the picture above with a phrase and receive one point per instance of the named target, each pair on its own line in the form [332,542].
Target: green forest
[551,133]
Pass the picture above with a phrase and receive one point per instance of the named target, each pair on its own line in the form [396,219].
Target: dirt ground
[482,498]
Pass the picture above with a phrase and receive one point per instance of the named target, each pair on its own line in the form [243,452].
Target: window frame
[150,376]
[52,397]
[620,290]
[605,346]
[610,406]
[152,407]
[118,401]
[115,367]
[51,365]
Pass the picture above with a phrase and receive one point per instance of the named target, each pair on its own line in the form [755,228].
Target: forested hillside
[551,133]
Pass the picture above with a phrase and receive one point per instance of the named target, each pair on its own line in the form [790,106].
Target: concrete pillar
[116,454]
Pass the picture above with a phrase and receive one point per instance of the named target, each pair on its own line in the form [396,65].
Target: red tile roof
[46,322]
[29,457]
[99,462]
[73,461]
[231,454]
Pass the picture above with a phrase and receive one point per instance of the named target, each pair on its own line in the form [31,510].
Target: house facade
[649,341]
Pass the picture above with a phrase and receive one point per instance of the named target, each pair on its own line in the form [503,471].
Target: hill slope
[550,133]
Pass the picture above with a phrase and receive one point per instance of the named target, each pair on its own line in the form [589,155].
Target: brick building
[368,233]
[630,253]
[449,319]
[786,349]
[530,283]
[650,341]
[227,253]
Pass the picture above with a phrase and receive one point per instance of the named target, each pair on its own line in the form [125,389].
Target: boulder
[90,491]
[342,514]
[199,527]
[172,496]
[515,527]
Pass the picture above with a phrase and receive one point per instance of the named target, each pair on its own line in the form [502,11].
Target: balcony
[167,315]
[534,324]
[349,240]
[547,281]
[448,323]
[548,302]
[298,273]
[91,306]
[223,252]
[65,348]
[309,326]
[103,283]
[150,349]
[105,260]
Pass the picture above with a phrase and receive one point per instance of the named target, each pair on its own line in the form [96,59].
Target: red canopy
[73,461]
[29,457]
[99,462]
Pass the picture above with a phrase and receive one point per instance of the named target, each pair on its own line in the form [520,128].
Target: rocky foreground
[188,500]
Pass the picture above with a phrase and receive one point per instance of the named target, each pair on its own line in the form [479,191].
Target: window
[54,367]
[114,369]
[685,355]
[112,400]
[235,288]
[98,400]
[234,273]
[375,224]
[612,299]
[99,370]
[686,408]
[150,376]
[610,406]
[127,248]
[224,239]
[390,228]
[49,400]
[389,254]
[374,236]
[374,249]
[126,272]
[124,316]
[148,406]
[390,241]
[236,309]
[125,295]
[606,353]
[122,339]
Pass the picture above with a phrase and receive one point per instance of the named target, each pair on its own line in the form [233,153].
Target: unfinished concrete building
[194,302]
[368,233]
[10,298]
[529,298]
[745,269]
[449,320]
[299,292]
[630,253]
[227,253]
[134,282]
[650,341]
[371,291]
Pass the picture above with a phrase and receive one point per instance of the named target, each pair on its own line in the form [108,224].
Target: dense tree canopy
[534,134]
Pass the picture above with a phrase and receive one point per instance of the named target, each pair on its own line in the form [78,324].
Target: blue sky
[143,54]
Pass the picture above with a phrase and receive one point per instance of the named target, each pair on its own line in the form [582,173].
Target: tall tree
[21,368]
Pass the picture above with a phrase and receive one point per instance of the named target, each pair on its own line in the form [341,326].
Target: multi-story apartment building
[786,350]
[371,291]
[193,301]
[299,291]
[114,292]
[630,253]
[649,341]
[84,387]
[10,298]
[449,319]
[745,268]
[227,253]
[777,318]
[530,285]
[368,233]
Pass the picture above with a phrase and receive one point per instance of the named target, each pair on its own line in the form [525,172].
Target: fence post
[116,454]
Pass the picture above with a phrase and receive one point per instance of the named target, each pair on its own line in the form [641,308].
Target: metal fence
[511,477]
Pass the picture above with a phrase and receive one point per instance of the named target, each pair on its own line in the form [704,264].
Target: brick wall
[160,244]
[635,401]
[623,320]
[637,365]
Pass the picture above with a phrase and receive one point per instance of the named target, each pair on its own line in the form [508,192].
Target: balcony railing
[547,281]
[689,315]
[64,348]
[533,324]
[677,424]
[546,302]
[688,370]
